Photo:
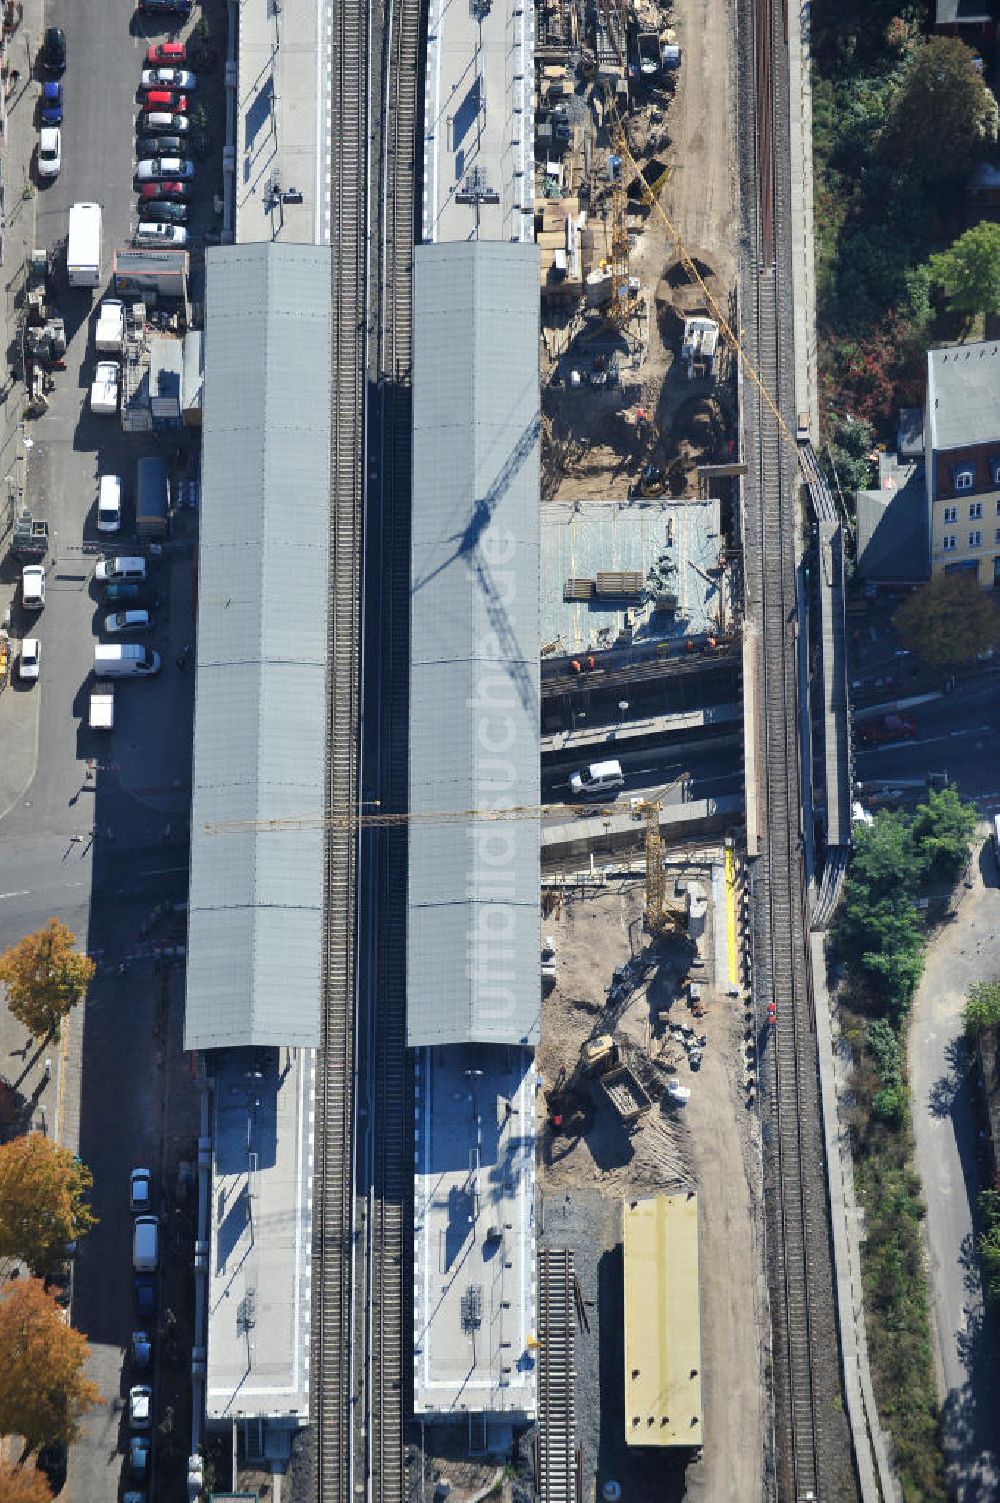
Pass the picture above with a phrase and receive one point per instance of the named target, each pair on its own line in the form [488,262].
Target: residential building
[972,20]
[962,460]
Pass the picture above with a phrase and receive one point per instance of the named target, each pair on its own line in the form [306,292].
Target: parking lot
[94,823]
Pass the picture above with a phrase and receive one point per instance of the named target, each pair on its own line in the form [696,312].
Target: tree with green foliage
[989,1243]
[969,271]
[943,828]
[949,620]
[883,856]
[942,116]
[982,1007]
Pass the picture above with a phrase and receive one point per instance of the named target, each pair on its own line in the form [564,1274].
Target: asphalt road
[948,1158]
[99,837]
[956,733]
[649,773]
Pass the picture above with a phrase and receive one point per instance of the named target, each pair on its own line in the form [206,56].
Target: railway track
[385,851]
[813,1457]
[333,1345]
[557,1465]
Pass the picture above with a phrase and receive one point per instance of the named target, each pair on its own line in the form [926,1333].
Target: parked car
[151,192]
[886,729]
[142,1351]
[140,1406]
[144,1293]
[166,99]
[33,587]
[109,503]
[138,1455]
[54,50]
[115,624]
[122,592]
[49,151]
[122,567]
[149,233]
[147,146]
[165,52]
[140,1191]
[167,78]
[165,213]
[29,664]
[59,1283]
[159,121]
[52,102]
[164,169]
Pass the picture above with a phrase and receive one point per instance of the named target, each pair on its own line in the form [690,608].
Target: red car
[151,192]
[166,99]
[170,53]
[889,728]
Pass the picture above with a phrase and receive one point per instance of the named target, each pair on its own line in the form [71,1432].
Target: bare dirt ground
[711,1144]
[592,450]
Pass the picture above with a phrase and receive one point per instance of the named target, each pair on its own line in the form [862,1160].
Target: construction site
[632,149]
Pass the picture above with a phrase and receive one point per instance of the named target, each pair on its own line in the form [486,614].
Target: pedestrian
[575,665]
[48,1069]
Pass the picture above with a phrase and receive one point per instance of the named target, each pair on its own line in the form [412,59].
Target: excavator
[568,1099]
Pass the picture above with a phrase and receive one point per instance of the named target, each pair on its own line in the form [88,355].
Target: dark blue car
[52,102]
[144,1293]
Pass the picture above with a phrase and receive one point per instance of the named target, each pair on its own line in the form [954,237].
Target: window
[975,511]
[975,539]
[995,472]
[951,513]
[963,479]
[948,542]
[996,536]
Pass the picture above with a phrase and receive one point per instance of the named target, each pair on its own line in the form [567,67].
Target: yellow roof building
[662,1321]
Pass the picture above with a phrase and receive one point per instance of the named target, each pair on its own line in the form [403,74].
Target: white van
[120,568]
[145,1244]
[597,778]
[109,503]
[125,660]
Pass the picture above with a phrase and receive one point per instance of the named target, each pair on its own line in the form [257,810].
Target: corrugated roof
[662,1322]
[473,916]
[256,904]
[963,395]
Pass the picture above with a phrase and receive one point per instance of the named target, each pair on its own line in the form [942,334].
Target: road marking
[25,891]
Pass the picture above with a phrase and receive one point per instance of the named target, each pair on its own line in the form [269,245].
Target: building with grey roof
[479,79]
[962,460]
[892,524]
[473,884]
[474,1231]
[255,945]
[259,1267]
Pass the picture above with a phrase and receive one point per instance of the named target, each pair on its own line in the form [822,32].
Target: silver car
[127,621]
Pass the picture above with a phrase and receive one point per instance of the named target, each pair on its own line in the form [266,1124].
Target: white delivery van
[125,660]
[124,567]
[110,331]
[145,1244]
[598,778]
[83,245]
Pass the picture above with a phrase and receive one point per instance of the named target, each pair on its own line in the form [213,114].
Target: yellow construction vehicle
[662,918]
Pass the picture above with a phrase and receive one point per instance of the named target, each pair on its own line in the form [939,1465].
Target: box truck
[83,245]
